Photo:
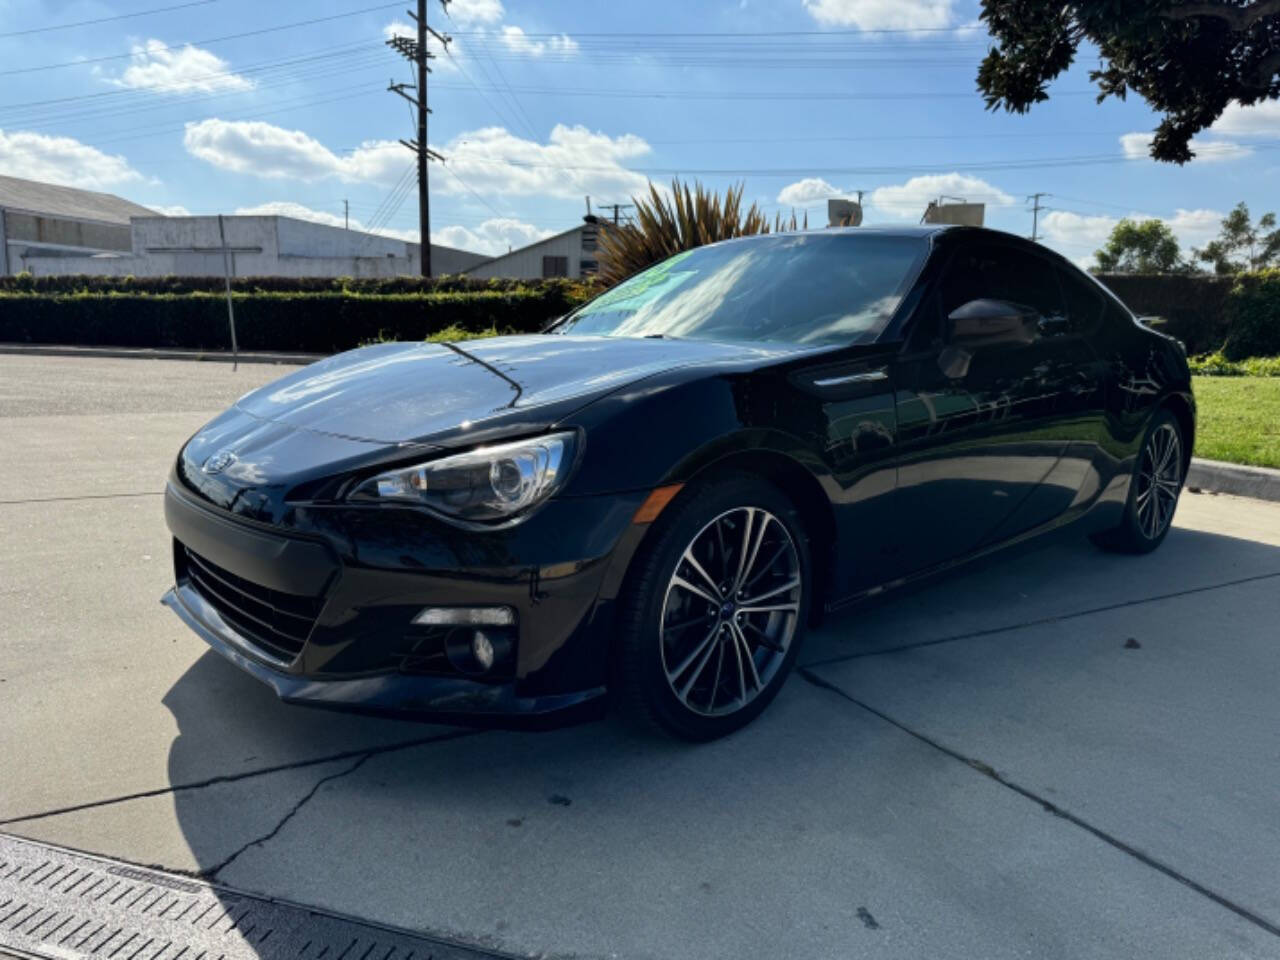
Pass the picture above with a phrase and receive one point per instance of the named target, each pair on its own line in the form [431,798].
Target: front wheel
[711,623]
[1153,491]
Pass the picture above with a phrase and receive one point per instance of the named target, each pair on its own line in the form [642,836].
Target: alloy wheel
[731,611]
[1159,481]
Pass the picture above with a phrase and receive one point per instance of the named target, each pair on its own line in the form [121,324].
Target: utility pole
[1035,214]
[346,214]
[616,208]
[415,51]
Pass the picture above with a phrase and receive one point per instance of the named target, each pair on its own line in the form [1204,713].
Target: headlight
[491,483]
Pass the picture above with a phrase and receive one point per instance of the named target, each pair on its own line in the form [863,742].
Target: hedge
[26,283]
[1195,307]
[324,320]
[1237,315]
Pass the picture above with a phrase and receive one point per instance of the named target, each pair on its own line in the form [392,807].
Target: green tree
[1140,246]
[1187,60]
[1242,244]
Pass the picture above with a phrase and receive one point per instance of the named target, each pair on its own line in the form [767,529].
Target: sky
[242,106]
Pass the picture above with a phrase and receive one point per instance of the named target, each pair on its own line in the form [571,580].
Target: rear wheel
[1153,491]
[711,623]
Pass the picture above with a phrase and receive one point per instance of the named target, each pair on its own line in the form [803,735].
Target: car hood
[424,393]
[379,403]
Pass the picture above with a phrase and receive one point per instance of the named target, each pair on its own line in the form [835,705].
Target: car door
[981,426]
[1078,416]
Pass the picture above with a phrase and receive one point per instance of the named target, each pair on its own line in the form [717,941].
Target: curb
[216,356]
[1213,476]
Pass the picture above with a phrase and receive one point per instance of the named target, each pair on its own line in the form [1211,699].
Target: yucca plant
[690,218]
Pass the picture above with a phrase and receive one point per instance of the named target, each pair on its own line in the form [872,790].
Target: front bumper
[367,573]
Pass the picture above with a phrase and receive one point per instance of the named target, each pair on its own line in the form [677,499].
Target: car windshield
[811,289]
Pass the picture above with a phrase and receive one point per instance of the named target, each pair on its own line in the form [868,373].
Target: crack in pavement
[991,631]
[1049,807]
[211,873]
[83,496]
[364,752]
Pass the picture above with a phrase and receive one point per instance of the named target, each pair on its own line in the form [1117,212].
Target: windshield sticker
[644,288]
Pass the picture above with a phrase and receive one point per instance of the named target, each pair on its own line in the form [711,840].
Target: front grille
[278,623]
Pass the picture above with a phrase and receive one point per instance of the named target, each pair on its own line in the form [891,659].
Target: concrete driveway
[1060,754]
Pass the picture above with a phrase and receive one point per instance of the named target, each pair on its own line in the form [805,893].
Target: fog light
[466,617]
[482,650]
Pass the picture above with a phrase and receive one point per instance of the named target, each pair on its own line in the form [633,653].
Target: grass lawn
[1238,419]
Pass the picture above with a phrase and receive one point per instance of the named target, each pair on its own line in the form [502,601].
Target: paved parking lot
[1061,754]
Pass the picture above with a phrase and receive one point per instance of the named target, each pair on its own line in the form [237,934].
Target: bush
[1254,316]
[321,317]
[1217,365]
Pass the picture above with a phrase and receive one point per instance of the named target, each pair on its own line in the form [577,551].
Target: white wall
[258,246]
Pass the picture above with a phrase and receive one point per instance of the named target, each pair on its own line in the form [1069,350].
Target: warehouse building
[57,231]
[254,246]
[52,222]
[569,254]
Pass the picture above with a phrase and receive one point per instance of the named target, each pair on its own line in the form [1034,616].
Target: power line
[739,33]
[755,95]
[206,42]
[119,16]
[324,54]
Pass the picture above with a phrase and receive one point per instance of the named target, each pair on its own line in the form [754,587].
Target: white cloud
[518,41]
[174,210]
[493,237]
[471,12]
[573,162]
[1195,228]
[882,14]
[1138,145]
[908,201]
[1071,232]
[274,153]
[808,192]
[179,70]
[63,160]
[1259,120]
[1077,236]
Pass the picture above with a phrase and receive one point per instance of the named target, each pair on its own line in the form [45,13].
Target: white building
[256,246]
[569,254]
[51,230]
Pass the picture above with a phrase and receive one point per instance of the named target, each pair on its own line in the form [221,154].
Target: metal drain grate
[64,905]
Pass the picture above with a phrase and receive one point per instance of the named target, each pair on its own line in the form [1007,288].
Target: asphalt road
[1061,754]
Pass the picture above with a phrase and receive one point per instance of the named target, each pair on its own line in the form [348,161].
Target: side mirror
[981,323]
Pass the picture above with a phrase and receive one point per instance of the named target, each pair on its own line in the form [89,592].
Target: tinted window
[995,272]
[1084,301]
[795,288]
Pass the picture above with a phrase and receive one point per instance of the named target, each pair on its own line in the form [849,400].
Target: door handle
[871,376]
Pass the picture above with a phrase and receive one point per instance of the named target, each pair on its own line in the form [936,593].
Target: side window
[555,266]
[1084,302]
[995,272]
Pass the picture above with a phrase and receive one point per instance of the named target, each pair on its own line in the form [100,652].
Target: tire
[1154,489]
[692,660]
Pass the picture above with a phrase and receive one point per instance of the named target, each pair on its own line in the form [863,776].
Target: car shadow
[492,789]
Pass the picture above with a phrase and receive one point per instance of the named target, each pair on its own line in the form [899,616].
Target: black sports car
[652,498]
